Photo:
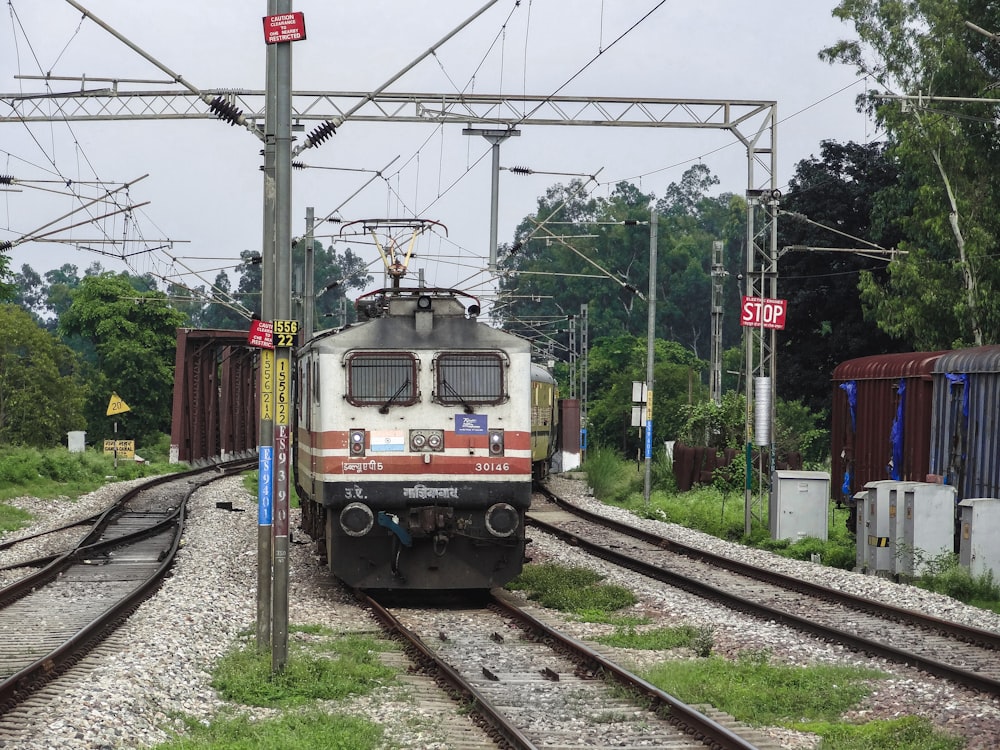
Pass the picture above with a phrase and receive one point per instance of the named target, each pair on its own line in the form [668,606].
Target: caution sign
[261,334]
[117,405]
[120,448]
[286,27]
[878,541]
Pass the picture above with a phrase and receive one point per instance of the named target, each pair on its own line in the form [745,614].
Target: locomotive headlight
[425,441]
[357,442]
[496,442]
[356,519]
[501,520]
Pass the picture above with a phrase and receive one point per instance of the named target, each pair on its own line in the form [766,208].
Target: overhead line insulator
[521,170]
[6,179]
[321,133]
[226,111]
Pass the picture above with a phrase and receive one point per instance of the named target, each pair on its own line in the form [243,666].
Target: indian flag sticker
[387,441]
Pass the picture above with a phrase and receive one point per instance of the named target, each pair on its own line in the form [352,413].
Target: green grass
[251,483]
[574,590]
[328,668]
[905,733]
[611,478]
[310,730]
[657,639]
[807,699]
[321,666]
[12,519]
[55,473]
[758,692]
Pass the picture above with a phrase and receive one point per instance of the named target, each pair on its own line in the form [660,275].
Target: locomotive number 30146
[492,466]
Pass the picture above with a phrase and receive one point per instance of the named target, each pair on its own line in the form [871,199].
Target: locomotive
[418,433]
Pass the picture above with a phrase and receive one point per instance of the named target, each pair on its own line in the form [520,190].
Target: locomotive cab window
[382,379]
[465,378]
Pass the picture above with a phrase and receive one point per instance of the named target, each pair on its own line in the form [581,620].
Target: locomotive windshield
[381,378]
[470,378]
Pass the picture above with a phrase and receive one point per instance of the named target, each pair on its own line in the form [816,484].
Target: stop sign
[756,312]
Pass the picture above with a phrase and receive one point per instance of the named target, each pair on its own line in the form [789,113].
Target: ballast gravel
[157,667]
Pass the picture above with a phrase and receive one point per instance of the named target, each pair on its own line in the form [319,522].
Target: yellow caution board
[117,405]
[122,448]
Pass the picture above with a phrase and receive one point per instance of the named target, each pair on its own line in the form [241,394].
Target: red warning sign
[284,27]
[261,334]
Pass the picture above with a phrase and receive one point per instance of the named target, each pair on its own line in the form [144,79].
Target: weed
[349,666]
[309,730]
[704,641]
[904,733]
[758,692]
[659,639]
[944,575]
[576,590]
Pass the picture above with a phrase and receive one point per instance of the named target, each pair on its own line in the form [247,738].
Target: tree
[41,395]
[832,201]
[333,276]
[551,271]
[217,309]
[134,338]
[8,291]
[31,292]
[614,363]
[61,283]
[944,293]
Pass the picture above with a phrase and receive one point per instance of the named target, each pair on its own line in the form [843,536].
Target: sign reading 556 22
[284,332]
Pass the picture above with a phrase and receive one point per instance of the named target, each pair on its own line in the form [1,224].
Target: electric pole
[718,276]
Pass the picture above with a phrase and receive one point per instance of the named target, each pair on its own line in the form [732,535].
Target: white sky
[205,185]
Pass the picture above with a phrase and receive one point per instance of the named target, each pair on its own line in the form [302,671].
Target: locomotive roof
[421,318]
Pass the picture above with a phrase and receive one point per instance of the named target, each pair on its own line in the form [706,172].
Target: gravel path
[157,665]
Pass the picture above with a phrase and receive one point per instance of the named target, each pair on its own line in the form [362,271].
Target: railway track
[531,686]
[66,603]
[965,655]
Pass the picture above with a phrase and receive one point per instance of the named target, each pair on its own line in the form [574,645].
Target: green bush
[840,551]
[611,478]
[55,472]
[944,575]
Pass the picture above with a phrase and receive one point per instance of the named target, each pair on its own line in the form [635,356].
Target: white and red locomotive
[417,431]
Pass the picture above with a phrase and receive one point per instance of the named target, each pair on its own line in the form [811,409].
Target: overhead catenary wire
[219,107]
[416,204]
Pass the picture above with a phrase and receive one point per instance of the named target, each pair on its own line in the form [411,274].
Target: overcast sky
[205,187]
